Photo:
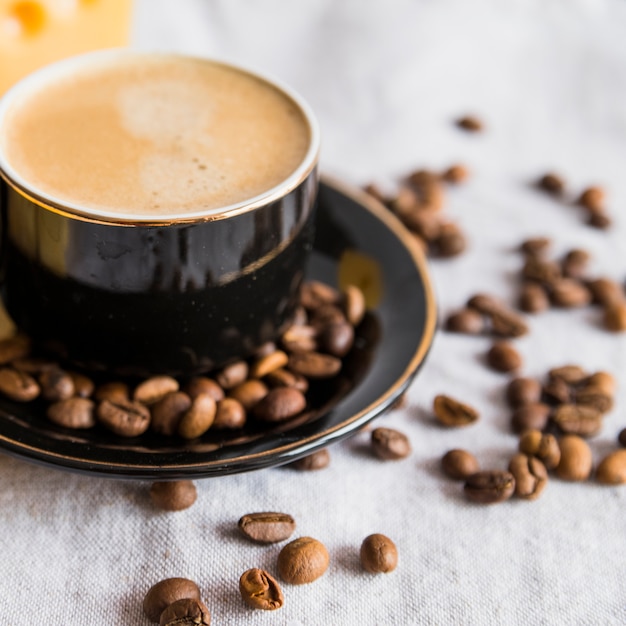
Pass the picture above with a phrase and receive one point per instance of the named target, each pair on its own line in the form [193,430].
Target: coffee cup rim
[39,78]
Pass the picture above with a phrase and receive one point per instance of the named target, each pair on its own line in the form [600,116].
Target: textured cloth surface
[387,79]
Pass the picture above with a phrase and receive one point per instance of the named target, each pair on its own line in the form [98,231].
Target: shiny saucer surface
[357,242]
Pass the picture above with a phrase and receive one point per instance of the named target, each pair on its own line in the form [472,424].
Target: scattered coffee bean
[614,317]
[503,357]
[267,527]
[186,612]
[202,384]
[541,271]
[455,174]
[536,246]
[605,291]
[378,554]
[260,590]
[603,381]
[459,464]
[198,418]
[532,416]
[314,364]
[229,414]
[83,385]
[530,476]
[268,363]
[592,198]
[390,444]
[428,190]
[577,420]
[302,561]
[490,486]
[125,418]
[599,220]
[505,322]
[56,384]
[72,413]
[533,298]
[576,459]
[154,389]
[470,123]
[315,461]
[552,184]
[450,241]
[569,293]
[575,264]
[557,391]
[18,385]
[280,404]
[173,495]
[542,445]
[166,592]
[451,412]
[249,393]
[232,375]
[168,411]
[594,397]
[466,321]
[621,437]
[569,374]
[521,391]
[425,224]
[612,468]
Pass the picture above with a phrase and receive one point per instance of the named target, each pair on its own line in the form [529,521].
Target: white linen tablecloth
[387,79]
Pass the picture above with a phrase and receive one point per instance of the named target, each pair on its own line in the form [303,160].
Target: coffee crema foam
[157,136]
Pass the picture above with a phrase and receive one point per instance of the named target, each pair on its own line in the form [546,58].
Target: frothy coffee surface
[155,136]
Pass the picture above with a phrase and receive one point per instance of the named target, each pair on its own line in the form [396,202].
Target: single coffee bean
[428,190]
[614,317]
[299,338]
[354,305]
[56,384]
[260,590]
[72,413]
[470,123]
[576,459]
[455,174]
[541,271]
[186,612]
[530,476]
[536,246]
[592,198]
[268,363]
[166,592]
[249,393]
[552,184]
[485,303]
[459,464]
[577,420]
[281,403]
[83,385]
[302,561]
[602,381]
[569,374]
[173,495]
[285,378]
[168,412]
[314,294]
[451,240]
[466,321]
[594,397]
[451,412]
[198,418]
[114,391]
[154,389]
[201,384]
[314,364]
[232,375]
[229,414]
[315,461]
[125,418]
[612,468]
[490,486]
[390,444]
[521,391]
[569,293]
[599,219]
[503,357]
[378,554]
[557,391]
[605,291]
[544,446]
[533,298]
[267,527]
[575,263]
[337,339]
[18,385]
[325,315]
[265,349]
[425,224]
[507,323]
[621,437]
[405,201]
[533,416]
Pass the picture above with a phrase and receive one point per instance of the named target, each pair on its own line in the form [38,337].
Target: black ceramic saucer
[357,242]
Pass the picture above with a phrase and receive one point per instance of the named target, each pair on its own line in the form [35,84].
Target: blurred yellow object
[35,33]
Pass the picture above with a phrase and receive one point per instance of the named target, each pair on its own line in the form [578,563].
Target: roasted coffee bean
[451,240]
[337,339]
[541,271]
[577,420]
[198,418]
[260,590]
[200,385]
[507,323]
[325,315]
[267,527]
[354,305]
[378,554]
[72,413]
[451,412]
[428,190]
[302,561]
[551,183]
[390,444]
[56,384]
[603,381]
[569,294]
[485,303]
[459,464]
[455,174]
[173,495]
[530,417]
[314,364]
[281,403]
[265,349]
[490,486]
[530,476]
[575,263]
[15,347]
[576,458]
[594,397]
[599,219]
[544,446]
[605,291]
[17,385]
[314,294]
[503,357]
[154,389]
[114,391]
[466,321]
[533,298]
[470,123]
[229,414]
[315,461]
[285,378]
[168,411]
[614,317]
[232,375]
[425,224]
[249,393]
[405,201]
[166,592]
[521,391]
[83,385]
[300,338]
[557,391]
[569,374]
[124,417]
[186,613]
[612,468]
[621,437]
[592,198]
[268,363]
[536,246]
